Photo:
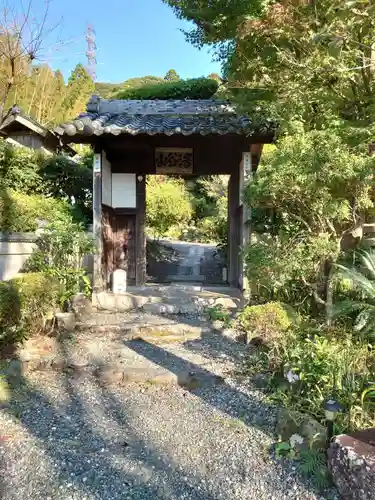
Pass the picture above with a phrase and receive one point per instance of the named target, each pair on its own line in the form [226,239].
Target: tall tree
[80,87]
[313,61]
[214,76]
[310,65]
[216,21]
[60,91]
[43,85]
[21,40]
[172,76]
[317,193]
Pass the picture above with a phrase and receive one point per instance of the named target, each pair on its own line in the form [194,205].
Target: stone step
[150,375]
[135,326]
[123,348]
[128,362]
[368,242]
[156,334]
[110,373]
[369,228]
[183,299]
[173,307]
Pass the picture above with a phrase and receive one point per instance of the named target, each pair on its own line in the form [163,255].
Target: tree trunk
[4,100]
[323,290]
[328,286]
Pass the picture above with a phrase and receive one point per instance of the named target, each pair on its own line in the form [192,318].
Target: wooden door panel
[108,249]
[124,246]
[118,244]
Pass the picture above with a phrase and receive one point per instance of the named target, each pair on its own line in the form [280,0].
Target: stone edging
[109,373]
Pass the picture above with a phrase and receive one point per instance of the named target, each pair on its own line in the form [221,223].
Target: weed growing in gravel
[71,339]
[218,313]
[311,462]
[4,390]
[233,423]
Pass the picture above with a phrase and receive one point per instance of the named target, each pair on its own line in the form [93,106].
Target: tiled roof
[15,116]
[158,117]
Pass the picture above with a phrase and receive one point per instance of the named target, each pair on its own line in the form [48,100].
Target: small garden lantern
[331,409]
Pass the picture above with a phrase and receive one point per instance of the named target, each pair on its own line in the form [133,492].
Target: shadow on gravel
[212,343]
[101,464]
[238,405]
[199,381]
[215,346]
[85,458]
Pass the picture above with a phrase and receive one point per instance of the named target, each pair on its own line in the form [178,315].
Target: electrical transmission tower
[91,51]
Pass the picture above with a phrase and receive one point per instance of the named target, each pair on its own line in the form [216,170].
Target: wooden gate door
[108,249]
[124,246]
[118,245]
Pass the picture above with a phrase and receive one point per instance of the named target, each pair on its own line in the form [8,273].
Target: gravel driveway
[65,437]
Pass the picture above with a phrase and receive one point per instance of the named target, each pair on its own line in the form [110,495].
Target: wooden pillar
[98,283]
[245,177]
[140,231]
[234,226]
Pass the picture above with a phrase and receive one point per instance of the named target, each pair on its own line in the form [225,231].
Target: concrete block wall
[16,248]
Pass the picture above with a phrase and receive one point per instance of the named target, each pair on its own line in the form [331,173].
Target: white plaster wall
[124,191]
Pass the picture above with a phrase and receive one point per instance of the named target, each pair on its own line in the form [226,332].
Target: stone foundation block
[351,460]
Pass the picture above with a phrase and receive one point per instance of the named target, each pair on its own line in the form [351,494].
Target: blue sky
[133,37]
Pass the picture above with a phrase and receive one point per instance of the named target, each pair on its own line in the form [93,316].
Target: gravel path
[68,438]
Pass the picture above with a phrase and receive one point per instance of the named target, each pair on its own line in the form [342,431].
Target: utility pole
[91,51]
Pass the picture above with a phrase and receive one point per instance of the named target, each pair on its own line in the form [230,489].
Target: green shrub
[326,367]
[20,212]
[310,365]
[209,196]
[19,168]
[304,199]
[71,181]
[38,295]
[26,302]
[218,313]
[361,281]
[168,204]
[195,88]
[266,320]
[60,250]
[10,309]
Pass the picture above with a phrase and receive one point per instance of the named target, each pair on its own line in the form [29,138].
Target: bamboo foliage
[29,82]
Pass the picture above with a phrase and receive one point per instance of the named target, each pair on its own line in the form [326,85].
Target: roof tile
[157,117]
